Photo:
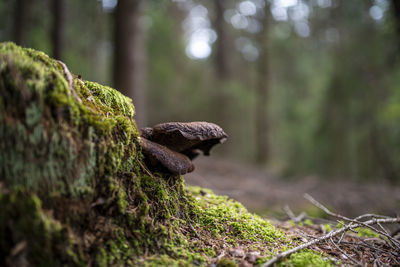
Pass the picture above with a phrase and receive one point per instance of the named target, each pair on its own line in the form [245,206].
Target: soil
[261,191]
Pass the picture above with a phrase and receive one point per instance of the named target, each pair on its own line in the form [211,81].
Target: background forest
[301,86]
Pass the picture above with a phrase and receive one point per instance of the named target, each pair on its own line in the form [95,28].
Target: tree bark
[130,55]
[57,34]
[262,90]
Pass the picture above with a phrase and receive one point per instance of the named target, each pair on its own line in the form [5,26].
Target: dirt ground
[266,193]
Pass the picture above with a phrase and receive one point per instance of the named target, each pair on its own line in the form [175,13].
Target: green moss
[101,258]
[306,258]
[308,222]
[340,224]
[224,262]
[118,191]
[327,227]
[365,232]
[111,100]
[224,216]
[46,241]
[163,260]
[116,251]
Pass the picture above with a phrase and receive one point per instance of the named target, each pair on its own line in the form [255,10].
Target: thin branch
[371,215]
[365,244]
[289,213]
[354,221]
[383,229]
[327,236]
[145,169]
[344,253]
[194,231]
[341,237]
[293,217]
[70,80]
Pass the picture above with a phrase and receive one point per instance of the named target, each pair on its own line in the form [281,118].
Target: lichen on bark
[74,189]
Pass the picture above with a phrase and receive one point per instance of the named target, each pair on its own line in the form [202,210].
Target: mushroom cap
[146,132]
[188,137]
[160,156]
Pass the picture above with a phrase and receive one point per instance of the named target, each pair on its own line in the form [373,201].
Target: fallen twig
[351,226]
[289,213]
[294,218]
[145,169]
[345,254]
[319,205]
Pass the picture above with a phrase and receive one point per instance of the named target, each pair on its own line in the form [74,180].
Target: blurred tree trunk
[21,21]
[222,50]
[222,65]
[262,92]
[130,55]
[57,34]
[396,14]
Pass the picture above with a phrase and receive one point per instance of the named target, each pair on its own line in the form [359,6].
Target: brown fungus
[146,132]
[172,145]
[161,157]
[188,137]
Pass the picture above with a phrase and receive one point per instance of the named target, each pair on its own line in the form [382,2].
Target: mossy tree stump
[74,189]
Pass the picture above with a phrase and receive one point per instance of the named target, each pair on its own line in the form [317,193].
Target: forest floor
[276,198]
[267,194]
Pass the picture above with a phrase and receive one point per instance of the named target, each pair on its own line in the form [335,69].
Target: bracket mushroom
[173,145]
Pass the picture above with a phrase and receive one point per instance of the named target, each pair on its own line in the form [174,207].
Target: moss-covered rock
[74,189]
